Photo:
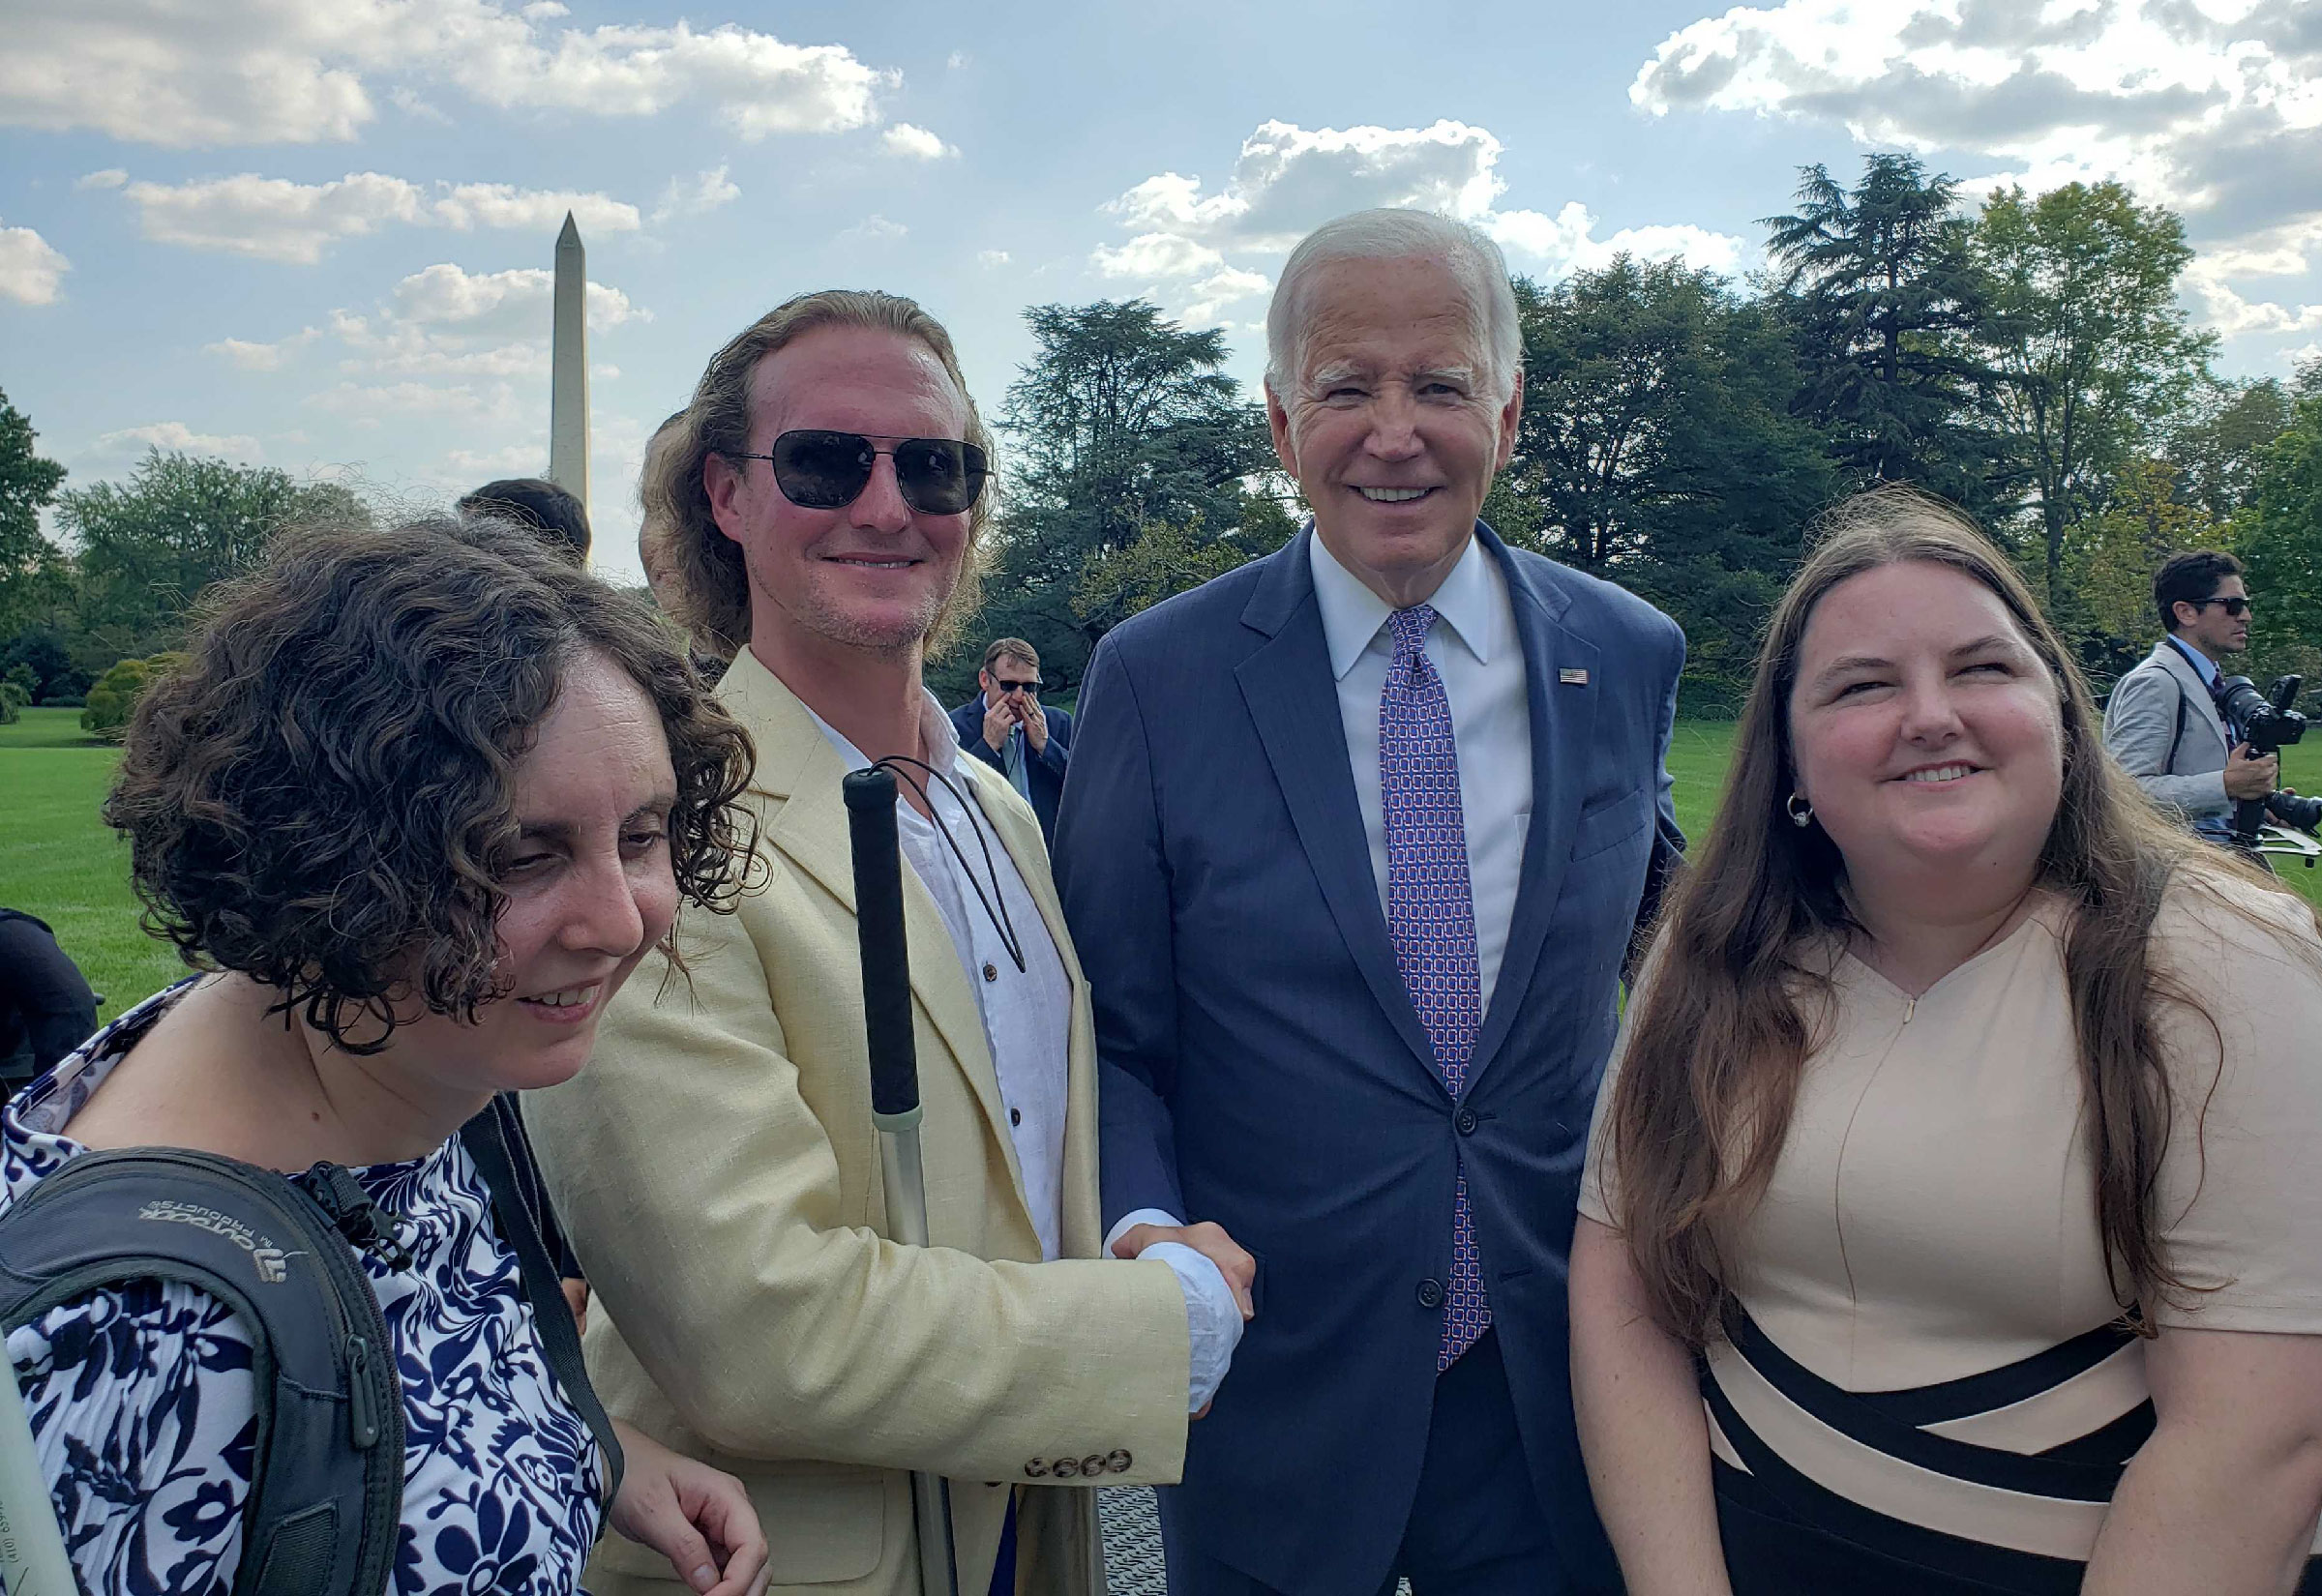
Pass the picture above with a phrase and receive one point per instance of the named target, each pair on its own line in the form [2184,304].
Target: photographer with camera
[2164,723]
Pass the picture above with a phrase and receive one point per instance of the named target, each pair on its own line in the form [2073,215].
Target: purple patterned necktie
[1431,914]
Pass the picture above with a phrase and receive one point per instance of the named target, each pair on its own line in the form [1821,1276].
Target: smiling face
[588,888]
[1926,733]
[872,575]
[1393,426]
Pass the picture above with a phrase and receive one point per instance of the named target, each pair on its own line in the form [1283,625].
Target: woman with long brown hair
[1953,1220]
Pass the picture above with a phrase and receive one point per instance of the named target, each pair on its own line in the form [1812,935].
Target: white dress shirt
[1475,649]
[1028,1021]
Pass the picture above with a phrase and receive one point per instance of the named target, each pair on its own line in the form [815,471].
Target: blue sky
[316,233]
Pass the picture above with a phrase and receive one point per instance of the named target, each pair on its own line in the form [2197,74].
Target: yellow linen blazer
[717,1171]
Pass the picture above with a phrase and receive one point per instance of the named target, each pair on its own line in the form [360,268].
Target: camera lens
[2292,809]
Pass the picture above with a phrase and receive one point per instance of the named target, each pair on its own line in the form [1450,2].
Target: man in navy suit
[1007,727]
[1356,847]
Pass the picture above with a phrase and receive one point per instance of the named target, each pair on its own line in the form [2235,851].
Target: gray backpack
[326,1496]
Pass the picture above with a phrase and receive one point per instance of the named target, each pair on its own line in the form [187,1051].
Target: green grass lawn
[58,861]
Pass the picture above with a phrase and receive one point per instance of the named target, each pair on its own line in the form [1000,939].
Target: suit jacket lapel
[1294,704]
[797,765]
[1562,717]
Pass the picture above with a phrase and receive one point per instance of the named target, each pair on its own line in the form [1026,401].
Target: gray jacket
[2161,705]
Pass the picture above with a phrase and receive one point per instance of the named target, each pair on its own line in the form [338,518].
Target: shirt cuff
[1128,1222]
[1212,1319]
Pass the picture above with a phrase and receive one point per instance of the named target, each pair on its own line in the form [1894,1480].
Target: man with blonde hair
[716,1166]
[1356,840]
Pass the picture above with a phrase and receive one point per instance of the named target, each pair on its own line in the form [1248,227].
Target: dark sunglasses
[2235,607]
[818,470]
[1006,686]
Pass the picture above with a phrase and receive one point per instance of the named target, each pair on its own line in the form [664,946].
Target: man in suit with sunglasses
[1007,727]
[716,1164]
[2161,723]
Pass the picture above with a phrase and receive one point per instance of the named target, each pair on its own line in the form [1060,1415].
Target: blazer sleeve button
[1093,1466]
[1065,1469]
[1119,1462]
[1035,1470]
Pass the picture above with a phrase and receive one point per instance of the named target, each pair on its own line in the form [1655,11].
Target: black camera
[2267,723]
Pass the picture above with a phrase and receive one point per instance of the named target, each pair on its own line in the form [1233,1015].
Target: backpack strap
[2178,736]
[326,1494]
[495,1140]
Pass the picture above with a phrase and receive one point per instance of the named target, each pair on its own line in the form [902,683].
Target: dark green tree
[2217,449]
[1121,419]
[35,576]
[1657,448]
[2279,538]
[1878,285]
[2097,356]
[148,546]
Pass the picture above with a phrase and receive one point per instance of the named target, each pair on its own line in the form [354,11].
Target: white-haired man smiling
[1355,843]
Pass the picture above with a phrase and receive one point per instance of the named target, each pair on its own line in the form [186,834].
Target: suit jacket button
[991,972]
[1035,1470]
[1431,1293]
[1465,1122]
[1092,1466]
[1119,1462]
[1065,1469]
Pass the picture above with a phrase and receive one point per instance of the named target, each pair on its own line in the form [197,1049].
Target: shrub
[13,700]
[115,696]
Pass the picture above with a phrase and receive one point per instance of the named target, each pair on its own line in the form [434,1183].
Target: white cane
[870,796]
[32,1549]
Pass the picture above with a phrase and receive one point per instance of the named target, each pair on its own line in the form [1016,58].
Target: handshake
[1204,1257]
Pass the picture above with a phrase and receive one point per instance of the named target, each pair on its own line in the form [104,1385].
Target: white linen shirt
[1475,649]
[1027,1014]
[1028,1024]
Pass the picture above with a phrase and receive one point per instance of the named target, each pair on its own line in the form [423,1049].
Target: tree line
[1681,431]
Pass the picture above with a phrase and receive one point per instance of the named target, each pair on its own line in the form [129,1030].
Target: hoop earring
[1802,813]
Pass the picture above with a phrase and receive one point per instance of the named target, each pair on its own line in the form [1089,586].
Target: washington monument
[568,367]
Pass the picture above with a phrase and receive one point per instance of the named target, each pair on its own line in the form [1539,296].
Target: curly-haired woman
[1964,1131]
[418,802]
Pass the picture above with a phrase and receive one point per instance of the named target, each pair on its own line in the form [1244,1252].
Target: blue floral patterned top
[141,1398]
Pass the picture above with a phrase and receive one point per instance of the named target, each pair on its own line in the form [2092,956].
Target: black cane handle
[880,935]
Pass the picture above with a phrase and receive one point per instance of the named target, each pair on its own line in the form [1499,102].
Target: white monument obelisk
[568,367]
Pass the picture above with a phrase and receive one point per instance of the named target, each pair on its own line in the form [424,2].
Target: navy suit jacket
[1048,766]
[1264,1067]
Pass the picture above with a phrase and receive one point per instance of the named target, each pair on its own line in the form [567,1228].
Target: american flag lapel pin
[1571,676]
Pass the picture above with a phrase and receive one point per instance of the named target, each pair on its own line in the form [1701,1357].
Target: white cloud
[113,177]
[169,436]
[917,144]
[295,71]
[992,257]
[874,230]
[275,218]
[2212,108]
[1288,180]
[30,267]
[446,321]
[1156,254]
[262,356]
[694,196]
[1566,242]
